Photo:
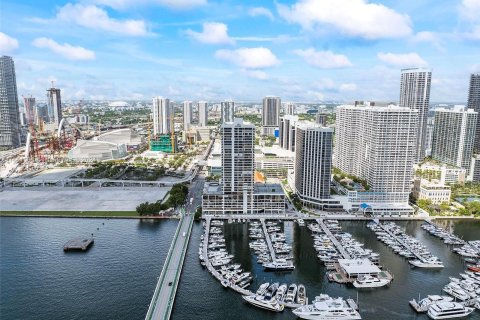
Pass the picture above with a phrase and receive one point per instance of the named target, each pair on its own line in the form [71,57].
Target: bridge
[163,298]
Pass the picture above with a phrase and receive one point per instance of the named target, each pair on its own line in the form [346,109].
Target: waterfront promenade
[163,298]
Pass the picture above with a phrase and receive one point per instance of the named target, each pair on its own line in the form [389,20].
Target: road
[164,295]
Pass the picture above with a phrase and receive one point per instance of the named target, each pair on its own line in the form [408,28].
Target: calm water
[116,278]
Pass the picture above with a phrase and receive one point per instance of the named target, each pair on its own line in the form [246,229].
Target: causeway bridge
[163,298]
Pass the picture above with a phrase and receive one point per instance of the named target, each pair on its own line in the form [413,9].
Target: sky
[300,50]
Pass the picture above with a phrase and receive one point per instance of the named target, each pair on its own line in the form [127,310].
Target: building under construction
[165,143]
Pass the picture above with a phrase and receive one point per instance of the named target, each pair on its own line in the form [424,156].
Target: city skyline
[208,50]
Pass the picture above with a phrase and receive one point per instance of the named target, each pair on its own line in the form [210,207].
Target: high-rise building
[227,111]
[377,144]
[41,114]
[202,113]
[475,169]
[270,114]
[9,111]
[321,118]
[54,101]
[238,150]
[454,136]
[313,163]
[474,103]
[237,193]
[287,132]
[415,95]
[187,114]
[429,135]
[289,109]
[30,110]
[161,116]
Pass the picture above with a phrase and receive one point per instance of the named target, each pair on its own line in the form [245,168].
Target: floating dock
[78,244]
[268,239]
[334,240]
[211,269]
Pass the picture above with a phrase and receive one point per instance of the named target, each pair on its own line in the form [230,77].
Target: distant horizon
[307,50]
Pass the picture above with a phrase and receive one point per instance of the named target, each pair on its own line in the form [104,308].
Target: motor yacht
[448,310]
[456,291]
[262,289]
[291,293]
[325,308]
[370,282]
[262,302]
[280,295]
[301,294]
[279,265]
[425,303]
[431,263]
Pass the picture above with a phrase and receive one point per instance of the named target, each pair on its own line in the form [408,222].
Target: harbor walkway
[337,244]
[268,239]
[163,298]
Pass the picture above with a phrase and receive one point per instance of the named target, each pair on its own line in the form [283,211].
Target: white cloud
[428,37]
[351,17]
[470,10]
[66,50]
[260,11]
[93,17]
[411,59]
[173,4]
[212,33]
[7,43]
[256,74]
[249,58]
[324,59]
[348,87]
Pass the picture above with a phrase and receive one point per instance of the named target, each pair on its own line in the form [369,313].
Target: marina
[141,243]
[404,245]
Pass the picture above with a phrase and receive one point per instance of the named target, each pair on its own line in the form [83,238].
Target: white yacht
[279,265]
[262,302]
[456,291]
[291,293]
[301,294]
[425,303]
[429,263]
[262,289]
[448,310]
[301,222]
[281,292]
[327,308]
[368,281]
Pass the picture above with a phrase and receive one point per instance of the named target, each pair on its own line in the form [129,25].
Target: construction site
[92,167]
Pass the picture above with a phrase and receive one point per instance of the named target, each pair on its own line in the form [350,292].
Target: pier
[419,257]
[209,266]
[337,244]
[163,298]
[267,238]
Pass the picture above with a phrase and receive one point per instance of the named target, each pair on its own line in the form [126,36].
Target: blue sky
[301,50]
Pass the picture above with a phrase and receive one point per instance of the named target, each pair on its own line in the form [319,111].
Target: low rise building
[90,150]
[431,190]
